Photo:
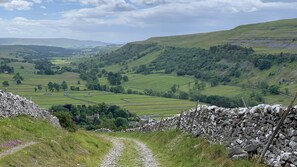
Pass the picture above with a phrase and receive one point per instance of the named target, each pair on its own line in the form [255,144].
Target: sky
[121,21]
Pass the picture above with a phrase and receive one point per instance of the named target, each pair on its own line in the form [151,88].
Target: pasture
[140,104]
[158,82]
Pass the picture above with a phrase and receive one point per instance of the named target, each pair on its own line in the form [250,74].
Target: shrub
[5,83]
[66,121]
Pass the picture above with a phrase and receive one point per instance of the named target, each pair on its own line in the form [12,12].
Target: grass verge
[182,150]
[54,147]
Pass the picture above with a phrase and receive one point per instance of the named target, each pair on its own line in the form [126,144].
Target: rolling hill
[57,42]
[266,37]
[250,59]
[35,51]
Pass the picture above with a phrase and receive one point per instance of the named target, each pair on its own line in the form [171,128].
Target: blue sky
[120,21]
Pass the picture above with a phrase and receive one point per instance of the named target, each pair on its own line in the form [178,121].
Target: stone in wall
[14,105]
[245,131]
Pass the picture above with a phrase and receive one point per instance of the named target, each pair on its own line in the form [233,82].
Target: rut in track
[145,154]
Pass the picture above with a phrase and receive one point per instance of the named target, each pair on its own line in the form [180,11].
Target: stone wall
[245,131]
[14,105]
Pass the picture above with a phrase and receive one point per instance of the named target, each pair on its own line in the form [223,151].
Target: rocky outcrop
[14,105]
[245,131]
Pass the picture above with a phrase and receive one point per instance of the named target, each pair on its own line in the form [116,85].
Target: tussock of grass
[55,147]
[182,150]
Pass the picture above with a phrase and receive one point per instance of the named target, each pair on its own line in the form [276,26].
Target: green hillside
[50,146]
[267,37]
[261,70]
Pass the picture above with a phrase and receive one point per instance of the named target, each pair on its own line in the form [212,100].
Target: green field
[158,82]
[140,104]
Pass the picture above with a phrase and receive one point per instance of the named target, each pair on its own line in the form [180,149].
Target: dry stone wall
[245,131]
[14,105]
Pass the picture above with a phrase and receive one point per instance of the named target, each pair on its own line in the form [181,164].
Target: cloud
[37,1]
[103,8]
[128,20]
[19,4]
[149,2]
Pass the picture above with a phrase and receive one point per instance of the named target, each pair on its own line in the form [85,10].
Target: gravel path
[112,157]
[15,149]
[145,154]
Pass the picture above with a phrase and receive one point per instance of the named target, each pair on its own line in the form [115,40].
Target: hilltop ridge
[263,37]
[57,42]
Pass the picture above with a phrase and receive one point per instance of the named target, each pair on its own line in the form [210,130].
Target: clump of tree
[269,89]
[129,51]
[45,67]
[52,86]
[18,78]
[116,78]
[6,69]
[217,65]
[97,116]
[74,88]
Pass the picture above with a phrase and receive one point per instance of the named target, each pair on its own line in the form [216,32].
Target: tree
[5,83]
[263,64]
[125,78]
[114,78]
[18,78]
[121,122]
[274,89]
[35,89]
[64,85]
[57,87]
[174,88]
[39,87]
[183,95]
[18,82]
[51,86]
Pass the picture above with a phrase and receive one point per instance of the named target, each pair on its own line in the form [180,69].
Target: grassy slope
[182,150]
[275,30]
[55,147]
